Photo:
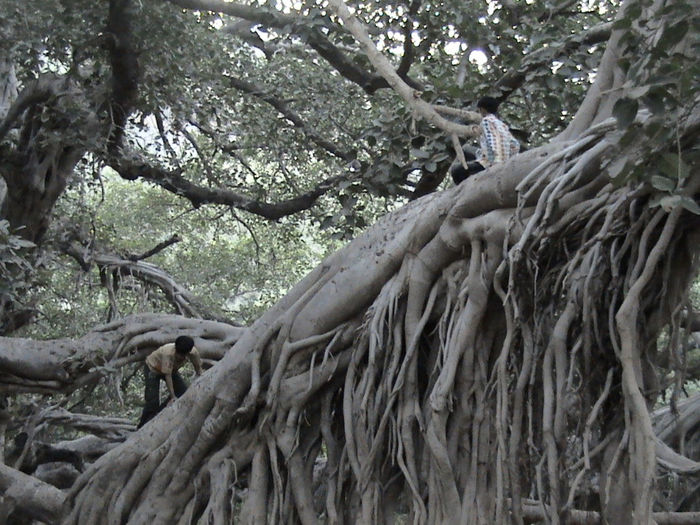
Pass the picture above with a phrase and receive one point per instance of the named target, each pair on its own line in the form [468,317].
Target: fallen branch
[111,428]
[35,498]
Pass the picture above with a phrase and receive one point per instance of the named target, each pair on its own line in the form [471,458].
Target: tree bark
[62,365]
[37,499]
[473,348]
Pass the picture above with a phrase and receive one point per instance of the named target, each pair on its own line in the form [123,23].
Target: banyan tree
[488,353]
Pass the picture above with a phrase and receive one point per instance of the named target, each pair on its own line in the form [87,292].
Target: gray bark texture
[482,355]
[476,347]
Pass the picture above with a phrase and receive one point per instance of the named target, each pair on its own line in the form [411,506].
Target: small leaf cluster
[662,75]
[16,264]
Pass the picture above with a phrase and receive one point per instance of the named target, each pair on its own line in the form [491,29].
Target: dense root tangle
[482,356]
[524,339]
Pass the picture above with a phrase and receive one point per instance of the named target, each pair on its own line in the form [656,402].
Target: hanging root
[494,368]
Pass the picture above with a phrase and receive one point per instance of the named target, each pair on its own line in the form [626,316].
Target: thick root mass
[482,355]
[492,366]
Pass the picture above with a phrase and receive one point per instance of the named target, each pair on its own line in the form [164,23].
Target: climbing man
[164,363]
[497,143]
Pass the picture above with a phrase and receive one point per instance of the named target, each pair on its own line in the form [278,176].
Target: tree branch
[198,150]
[145,272]
[384,67]
[198,195]
[243,29]
[513,80]
[293,117]
[37,91]
[63,365]
[163,137]
[110,428]
[156,249]
[37,499]
[125,68]
[408,48]
[317,40]
[534,512]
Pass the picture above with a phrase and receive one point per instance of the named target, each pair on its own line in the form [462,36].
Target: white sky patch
[453,48]
[478,57]
[415,38]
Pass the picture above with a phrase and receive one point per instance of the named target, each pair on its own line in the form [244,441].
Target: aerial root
[642,438]
[462,386]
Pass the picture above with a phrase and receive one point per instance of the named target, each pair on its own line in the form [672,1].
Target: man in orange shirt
[164,363]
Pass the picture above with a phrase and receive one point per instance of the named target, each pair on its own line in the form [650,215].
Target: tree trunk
[8,87]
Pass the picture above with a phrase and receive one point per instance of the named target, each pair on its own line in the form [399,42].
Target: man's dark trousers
[151,394]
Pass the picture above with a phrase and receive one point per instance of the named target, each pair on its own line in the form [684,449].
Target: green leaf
[673,34]
[617,167]
[419,153]
[669,202]
[673,166]
[22,243]
[622,23]
[655,103]
[663,183]
[637,92]
[690,205]
[624,111]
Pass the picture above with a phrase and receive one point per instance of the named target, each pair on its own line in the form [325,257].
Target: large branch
[110,428]
[294,118]
[125,67]
[670,425]
[148,273]
[408,47]
[513,80]
[384,67]
[318,41]
[199,195]
[35,498]
[534,512]
[62,365]
[36,92]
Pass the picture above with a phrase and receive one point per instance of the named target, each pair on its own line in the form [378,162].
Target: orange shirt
[165,360]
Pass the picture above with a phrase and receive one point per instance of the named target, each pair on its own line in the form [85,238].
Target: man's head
[183,344]
[487,105]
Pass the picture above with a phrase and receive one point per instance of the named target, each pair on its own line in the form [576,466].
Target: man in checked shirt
[497,143]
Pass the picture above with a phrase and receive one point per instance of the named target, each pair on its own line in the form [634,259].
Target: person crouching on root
[163,364]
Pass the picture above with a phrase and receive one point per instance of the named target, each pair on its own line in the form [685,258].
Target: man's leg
[150,395]
[179,384]
[458,172]
[475,167]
